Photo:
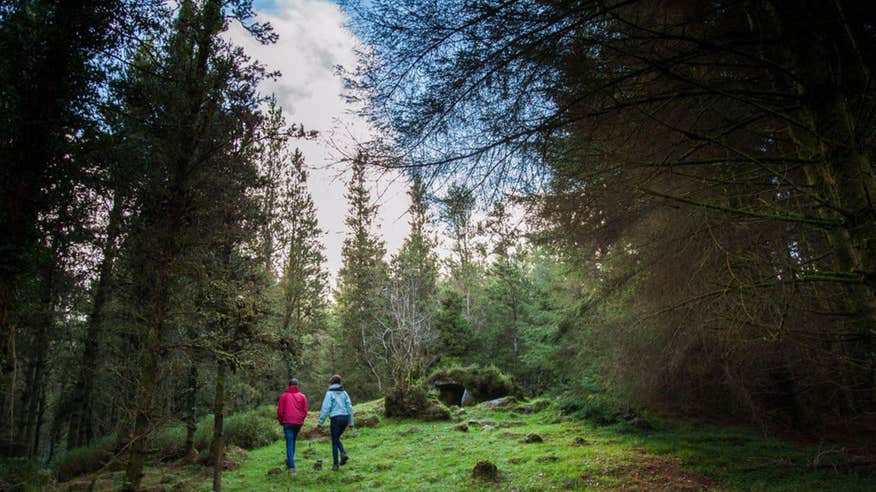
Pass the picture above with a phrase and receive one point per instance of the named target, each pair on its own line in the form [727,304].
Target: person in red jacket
[291,410]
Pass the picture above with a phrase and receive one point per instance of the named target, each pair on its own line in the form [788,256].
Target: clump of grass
[86,459]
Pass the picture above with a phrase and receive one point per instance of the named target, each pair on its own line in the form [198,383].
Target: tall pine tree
[360,281]
[304,281]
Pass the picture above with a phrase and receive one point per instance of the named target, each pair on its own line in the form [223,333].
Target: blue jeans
[338,426]
[291,431]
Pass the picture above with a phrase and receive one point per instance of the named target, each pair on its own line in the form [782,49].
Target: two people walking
[336,406]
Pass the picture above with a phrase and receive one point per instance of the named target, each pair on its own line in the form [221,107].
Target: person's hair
[336,379]
[293,382]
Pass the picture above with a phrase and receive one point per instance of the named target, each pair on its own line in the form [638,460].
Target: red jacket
[292,407]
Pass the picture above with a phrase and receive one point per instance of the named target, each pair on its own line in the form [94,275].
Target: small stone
[485,470]
[488,422]
[487,428]
[461,412]
[463,427]
[474,422]
[531,438]
[511,423]
[580,441]
[367,421]
[550,458]
[317,465]
[275,471]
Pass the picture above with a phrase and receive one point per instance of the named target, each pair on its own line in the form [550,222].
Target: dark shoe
[335,468]
[344,459]
[293,471]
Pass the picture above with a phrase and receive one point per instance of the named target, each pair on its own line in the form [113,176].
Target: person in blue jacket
[337,406]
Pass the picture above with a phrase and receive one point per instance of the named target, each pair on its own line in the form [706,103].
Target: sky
[313,41]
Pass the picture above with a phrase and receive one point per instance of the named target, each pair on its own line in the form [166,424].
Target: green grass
[408,455]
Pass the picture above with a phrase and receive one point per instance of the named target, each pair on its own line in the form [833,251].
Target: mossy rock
[503,403]
[482,383]
[485,470]
[532,438]
[314,433]
[415,403]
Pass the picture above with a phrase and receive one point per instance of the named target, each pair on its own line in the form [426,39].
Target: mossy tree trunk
[217,448]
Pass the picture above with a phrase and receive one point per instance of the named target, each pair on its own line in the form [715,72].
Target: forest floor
[572,455]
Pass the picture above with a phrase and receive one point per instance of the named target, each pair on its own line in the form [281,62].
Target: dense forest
[633,206]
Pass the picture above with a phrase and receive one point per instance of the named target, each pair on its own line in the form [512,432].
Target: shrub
[169,442]
[250,430]
[23,474]
[482,383]
[86,459]
[599,407]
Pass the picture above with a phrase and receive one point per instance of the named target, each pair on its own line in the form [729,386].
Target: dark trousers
[291,432]
[338,426]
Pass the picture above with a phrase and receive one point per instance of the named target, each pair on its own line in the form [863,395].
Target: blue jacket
[336,402]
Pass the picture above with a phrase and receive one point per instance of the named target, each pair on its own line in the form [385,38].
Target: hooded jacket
[292,407]
[336,402]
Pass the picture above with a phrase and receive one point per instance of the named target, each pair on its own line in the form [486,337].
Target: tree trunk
[191,418]
[81,429]
[218,447]
[145,398]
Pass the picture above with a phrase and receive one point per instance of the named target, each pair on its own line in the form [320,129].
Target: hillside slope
[572,455]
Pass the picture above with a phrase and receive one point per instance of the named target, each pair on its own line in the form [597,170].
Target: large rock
[471,385]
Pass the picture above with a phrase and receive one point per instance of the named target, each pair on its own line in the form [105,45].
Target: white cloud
[313,41]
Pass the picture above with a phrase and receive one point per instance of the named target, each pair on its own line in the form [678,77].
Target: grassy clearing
[407,455]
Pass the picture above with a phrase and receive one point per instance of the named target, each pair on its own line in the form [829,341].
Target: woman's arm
[349,404]
[326,408]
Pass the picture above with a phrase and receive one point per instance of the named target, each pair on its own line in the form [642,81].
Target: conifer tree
[196,112]
[304,279]
[457,209]
[360,280]
[408,330]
